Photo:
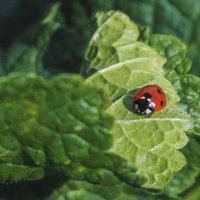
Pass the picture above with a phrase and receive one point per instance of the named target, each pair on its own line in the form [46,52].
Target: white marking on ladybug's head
[136,106]
[149,100]
[147,111]
[153,104]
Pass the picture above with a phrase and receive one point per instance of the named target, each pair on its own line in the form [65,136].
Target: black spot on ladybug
[147,95]
[159,91]
[161,103]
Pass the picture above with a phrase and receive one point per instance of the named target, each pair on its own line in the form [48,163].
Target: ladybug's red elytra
[149,99]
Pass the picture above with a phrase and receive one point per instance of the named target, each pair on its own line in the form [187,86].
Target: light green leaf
[187,85]
[132,74]
[113,33]
[148,143]
[151,145]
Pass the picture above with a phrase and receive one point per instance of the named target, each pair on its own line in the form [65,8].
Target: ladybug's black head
[144,106]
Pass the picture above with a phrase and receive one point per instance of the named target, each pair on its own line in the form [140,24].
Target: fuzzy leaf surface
[187,85]
[148,143]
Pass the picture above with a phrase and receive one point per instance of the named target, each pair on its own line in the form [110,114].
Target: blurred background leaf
[179,18]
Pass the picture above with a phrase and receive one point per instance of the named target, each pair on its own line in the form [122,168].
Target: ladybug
[149,99]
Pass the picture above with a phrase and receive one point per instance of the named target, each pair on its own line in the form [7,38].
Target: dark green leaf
[28,55]
[56,126]
[85,191]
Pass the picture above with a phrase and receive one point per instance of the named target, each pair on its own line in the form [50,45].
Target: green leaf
[109,36]
[187,85]
[169,17]
[192,194]
[148,143]
[28,56]
[57,126]
[174,51]
[86,191]
[190,94]
[37,116]
[186,178]
[176,70]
